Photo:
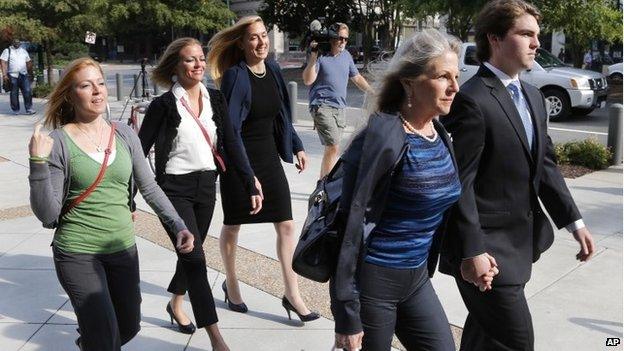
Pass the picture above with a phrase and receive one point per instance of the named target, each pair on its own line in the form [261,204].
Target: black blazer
[236,87]
[502,179]
[160,127]
[369,164]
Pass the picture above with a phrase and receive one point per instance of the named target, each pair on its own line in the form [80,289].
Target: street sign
[90,38]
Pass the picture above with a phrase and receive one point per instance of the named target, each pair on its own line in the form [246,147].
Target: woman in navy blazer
[259,108]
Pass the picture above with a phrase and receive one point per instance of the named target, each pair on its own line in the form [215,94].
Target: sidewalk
[574,306]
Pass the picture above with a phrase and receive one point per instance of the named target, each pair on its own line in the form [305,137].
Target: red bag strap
[99,177]
[215,153]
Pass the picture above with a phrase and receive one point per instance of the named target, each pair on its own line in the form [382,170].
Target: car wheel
[557,104]
[616,76]
[578,111]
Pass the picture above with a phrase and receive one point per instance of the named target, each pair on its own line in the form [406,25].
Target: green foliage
[154,16]
[294,16]
[588,153]
[41,90]
[460,14]
[67,51]
[582,21]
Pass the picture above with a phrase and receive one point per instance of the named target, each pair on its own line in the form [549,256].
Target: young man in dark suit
[507,164]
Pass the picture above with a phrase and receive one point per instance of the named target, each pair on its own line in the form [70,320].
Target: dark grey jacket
[50,182]
[369,164]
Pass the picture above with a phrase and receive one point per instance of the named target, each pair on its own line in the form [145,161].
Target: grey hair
[410,60]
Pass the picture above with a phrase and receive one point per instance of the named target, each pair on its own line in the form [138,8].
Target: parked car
[567,90]
[614,72]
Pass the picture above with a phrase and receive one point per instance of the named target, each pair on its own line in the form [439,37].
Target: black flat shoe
[304,318]
[240,307]
[184,329]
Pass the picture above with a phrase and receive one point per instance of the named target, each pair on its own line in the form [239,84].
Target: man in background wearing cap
[17,71]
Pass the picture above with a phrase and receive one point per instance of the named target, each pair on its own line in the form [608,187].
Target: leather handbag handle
[99,177]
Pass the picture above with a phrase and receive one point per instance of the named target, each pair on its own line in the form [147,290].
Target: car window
[547,60]
[471,56]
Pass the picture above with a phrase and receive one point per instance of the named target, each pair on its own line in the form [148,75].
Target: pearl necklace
[258,75]
[413,130]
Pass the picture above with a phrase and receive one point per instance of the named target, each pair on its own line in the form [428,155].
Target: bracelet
[38,159]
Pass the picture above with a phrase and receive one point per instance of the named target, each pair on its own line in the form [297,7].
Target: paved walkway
[574,306]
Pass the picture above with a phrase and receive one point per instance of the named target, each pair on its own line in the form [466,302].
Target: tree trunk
[48,57]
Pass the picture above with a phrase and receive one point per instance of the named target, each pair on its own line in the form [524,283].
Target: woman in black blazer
[400,179]
[192,135]
[259,108]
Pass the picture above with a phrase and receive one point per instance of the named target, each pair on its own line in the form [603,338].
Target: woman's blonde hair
[60,110]
[223,49]
[165,69]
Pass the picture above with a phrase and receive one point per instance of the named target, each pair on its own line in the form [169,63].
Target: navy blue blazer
[236,87]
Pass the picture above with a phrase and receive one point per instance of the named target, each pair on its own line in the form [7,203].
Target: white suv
[567,89]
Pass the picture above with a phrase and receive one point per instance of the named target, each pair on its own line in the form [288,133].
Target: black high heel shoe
[304,318]
[236,307]
[184,329]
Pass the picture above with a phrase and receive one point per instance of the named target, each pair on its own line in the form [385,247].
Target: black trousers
[401,301]
[104,291]
[498,320]
[193,196]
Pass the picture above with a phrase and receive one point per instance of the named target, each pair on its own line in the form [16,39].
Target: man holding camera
[327,74]
[17,73]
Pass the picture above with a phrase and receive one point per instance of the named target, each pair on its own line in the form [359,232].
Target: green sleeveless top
[101,223]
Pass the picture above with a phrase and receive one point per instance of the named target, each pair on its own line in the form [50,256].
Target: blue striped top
[426,185]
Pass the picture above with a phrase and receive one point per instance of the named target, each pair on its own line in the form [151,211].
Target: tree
[582,21]
[294,16]
[460,14]
[50,21]
[145,21]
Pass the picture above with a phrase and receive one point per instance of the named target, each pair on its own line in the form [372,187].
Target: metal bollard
[118,85]
[614,139]
[135,80]
[60,74]
[292,91]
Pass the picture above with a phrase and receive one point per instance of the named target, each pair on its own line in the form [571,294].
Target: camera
[319,33]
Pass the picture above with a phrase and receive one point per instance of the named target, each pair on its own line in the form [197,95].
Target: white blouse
[190,151]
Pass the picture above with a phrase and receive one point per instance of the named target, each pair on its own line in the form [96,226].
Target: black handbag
[319,244]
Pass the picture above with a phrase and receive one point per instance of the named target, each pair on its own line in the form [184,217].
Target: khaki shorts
[329,122]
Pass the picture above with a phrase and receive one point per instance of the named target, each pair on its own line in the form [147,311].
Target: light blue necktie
[523,110]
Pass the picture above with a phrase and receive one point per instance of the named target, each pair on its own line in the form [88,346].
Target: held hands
[302,161]
[184,242]
[479,270]
[349,342]
[40,144]
[256,200]
[585,239]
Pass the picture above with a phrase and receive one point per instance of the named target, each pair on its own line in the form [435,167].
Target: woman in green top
[94,250]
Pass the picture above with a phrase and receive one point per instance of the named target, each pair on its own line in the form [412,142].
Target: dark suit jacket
[502,179]
[160,127]
[236,87]
[369,164]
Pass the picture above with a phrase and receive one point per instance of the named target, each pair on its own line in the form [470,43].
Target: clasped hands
[479,270]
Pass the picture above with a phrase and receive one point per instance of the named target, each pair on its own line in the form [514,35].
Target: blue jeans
[23,83]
